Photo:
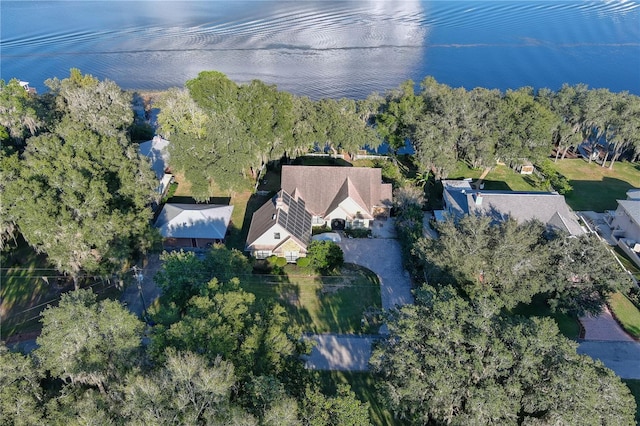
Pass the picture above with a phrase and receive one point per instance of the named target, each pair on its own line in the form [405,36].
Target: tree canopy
[513,262]
[81,193]
[451,361]
[88,342]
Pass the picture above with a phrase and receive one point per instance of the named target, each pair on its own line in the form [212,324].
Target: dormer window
[276,235]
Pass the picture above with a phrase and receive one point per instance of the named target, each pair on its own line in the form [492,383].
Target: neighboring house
[625,224]
[193,225]
[156,151]
[281,227]
[460,199]
[340,197]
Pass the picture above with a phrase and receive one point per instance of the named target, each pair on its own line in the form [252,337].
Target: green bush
[170,192]
[325,256]
[281,262]
[320,230]
[272,259]
[303,262]
[358,232]
[553,179]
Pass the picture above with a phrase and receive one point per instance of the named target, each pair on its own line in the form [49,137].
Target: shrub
[358,232]
[281,262]
[303,262]
[320,230]
[325,256]
[170,192]
[553,179]
[272,259]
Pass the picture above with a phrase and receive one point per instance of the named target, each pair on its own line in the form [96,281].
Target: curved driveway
[382,256]
[351,352]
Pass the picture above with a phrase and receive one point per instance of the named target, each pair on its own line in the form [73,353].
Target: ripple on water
[322,48]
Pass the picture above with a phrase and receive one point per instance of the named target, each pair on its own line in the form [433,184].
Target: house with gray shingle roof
[460,198]
[340,197]
[281,227]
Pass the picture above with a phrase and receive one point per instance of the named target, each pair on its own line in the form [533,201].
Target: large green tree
[186,389]
[81,193]
[582,273]
[83,199]
[514,262]
[21,396]
[18,116]
[85,342]
[503,260]
[525,127]
[449,361]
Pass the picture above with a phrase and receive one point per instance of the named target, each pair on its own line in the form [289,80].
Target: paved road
[622,357]
[340,352]
[382,256]
[131,296]
[603,327]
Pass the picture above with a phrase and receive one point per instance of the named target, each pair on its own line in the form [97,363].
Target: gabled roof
[319,186]
[156,151]
[288,212]
[548,207]
[632,207]
[349,191]
[194,220]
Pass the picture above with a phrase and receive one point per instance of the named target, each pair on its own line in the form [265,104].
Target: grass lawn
[626,262]
[25,292]
[568,325]
[597,188]
[634,386]
[504,178]
[626,313]
[318,304]
[363,385]
[463,171]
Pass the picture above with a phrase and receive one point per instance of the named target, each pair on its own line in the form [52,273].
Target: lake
[326,48]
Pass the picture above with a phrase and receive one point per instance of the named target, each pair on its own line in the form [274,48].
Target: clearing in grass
[347,303]
[597,188]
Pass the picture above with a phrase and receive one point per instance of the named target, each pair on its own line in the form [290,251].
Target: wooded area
[75,187]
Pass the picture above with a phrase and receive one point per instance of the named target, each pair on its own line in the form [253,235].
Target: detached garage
[193,225]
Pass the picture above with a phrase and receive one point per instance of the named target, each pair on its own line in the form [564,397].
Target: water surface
[326,48]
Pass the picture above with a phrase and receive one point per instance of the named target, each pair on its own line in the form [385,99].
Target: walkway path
[131,295]
[484,174]
[382,256]
[603,328]
[621,357]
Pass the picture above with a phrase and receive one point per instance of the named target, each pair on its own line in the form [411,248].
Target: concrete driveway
[603,327]
[340,352]
[621,357]
[382,256]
